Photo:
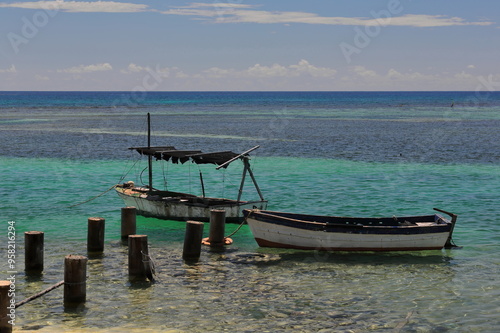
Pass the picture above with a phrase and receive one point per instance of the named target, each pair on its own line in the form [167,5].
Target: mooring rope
[97,196]
[29,299]
[237,229]
[150,265]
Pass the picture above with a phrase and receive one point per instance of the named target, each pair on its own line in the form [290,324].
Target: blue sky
[335,45]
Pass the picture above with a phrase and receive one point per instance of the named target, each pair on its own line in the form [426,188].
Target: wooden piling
[217,226]
[7,308]
[33,246]
[128,226]
[216,237]
[95,235]
[192,240]
[138,257]
[75,280]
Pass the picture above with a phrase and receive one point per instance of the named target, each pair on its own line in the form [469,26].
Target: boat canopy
[169,153]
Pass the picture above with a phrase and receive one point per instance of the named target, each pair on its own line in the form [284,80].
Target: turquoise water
[319,154]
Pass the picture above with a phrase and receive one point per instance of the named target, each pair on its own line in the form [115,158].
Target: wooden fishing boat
[171,205]
[332,233]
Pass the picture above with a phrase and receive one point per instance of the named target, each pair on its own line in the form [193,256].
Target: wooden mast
[150,158]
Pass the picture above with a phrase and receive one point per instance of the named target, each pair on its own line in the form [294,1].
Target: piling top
[137,236]
[194,222]
[33,232]
[96,219]
[75,257]
[4,284]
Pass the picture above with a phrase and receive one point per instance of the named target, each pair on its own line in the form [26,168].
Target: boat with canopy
[172,205]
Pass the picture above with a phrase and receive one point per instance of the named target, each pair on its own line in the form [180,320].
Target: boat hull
[282,232]
[183,208]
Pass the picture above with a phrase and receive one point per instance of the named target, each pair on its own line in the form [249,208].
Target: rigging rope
[97,196]
[164,175]
[140,176]
[112,187]
[189,178]
[126,173]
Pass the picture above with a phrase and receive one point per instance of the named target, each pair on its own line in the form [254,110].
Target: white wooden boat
[332,233]
[170,205]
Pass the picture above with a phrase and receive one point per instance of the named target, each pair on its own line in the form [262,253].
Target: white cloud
[425,21]
[81,6]
[12,69]
[227,12]
[267,71]
[157,72]
[239,13]
[302,69]
[306,76]
[133,68]
[394,74]
[367,79]
[87,69]
[362,71]
[471,66]
[463,75]
[413,77]
[218,5]
[216,72]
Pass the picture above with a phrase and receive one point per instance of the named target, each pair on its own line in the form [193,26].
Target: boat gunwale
[277,219]
[179,195]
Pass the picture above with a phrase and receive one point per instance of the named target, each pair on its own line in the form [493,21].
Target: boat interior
[373,221]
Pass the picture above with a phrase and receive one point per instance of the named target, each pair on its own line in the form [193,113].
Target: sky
[250,45]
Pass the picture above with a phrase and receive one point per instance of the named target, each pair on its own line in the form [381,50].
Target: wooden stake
[138,257]
[216,237]
[129,215]
[7,308]
[75,280]
[95,234]
[217,226]
[192,240]
[33,260]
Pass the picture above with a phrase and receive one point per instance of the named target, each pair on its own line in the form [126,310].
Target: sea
[367,154]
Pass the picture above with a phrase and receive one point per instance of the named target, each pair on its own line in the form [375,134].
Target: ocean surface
[337,153]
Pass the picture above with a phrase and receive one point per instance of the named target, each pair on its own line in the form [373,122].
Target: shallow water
[318,156]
